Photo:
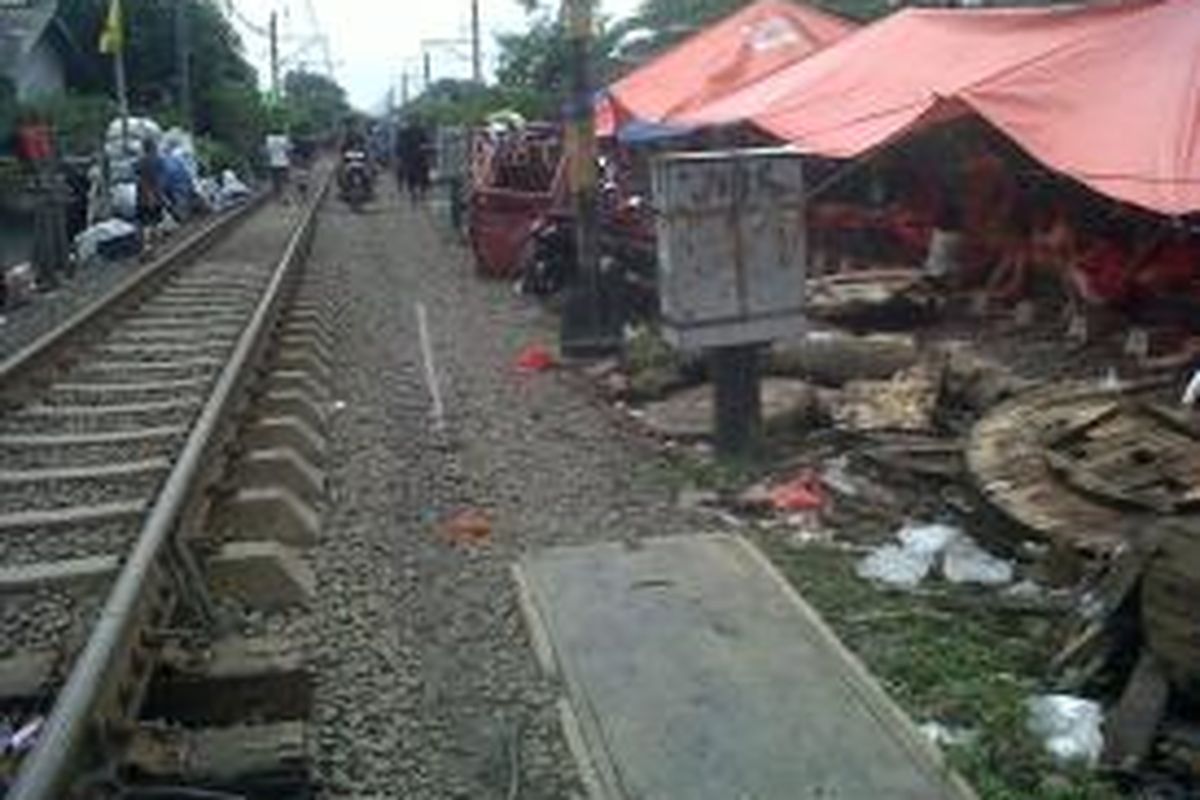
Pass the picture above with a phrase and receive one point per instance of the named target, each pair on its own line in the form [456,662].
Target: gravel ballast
[426,684]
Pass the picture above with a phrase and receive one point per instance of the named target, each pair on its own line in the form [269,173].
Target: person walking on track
[413,154]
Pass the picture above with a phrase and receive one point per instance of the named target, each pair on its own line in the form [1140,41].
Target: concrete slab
[264,575]
[292,404]
[291,432]
[282,466]
[20,521]
[694,670]
[271,513]
[73,572]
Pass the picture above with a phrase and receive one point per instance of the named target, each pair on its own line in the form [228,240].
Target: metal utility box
[731,246]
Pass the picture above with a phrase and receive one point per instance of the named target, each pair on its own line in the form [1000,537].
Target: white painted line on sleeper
[438,411]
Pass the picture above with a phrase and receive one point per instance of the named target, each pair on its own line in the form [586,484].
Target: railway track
[138,442]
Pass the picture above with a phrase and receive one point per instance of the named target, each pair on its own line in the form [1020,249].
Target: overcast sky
[374,41]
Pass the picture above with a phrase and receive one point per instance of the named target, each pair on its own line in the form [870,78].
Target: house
[32,47]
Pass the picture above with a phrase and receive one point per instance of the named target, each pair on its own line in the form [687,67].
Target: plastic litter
[836,475]
[21,739]
[20,284]
[895,565]
[123,199]
[232,190]
[111,239]
[803,492]
[920,547]
[966,562]
[534,358]
[1025,590]
[470,526]
[1069,727]
[947,735]
[1192,392]
[928,539]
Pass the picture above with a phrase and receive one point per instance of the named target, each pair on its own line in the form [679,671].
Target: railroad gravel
[88,423]
[36,545]
[60,493]
[48,619]
[426,684]
[19,458]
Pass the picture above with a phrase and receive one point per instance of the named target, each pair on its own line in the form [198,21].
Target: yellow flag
[112,38]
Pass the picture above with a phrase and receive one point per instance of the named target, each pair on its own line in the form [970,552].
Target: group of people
[411,154]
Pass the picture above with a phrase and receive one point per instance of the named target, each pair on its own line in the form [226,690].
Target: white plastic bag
[895,566]
[1069,727]
[966,562]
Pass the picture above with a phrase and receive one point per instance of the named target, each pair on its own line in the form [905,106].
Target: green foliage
[79,120]
[226,103]
[236,117]
[959,664]
[457,102]
[216,156]
[315,104]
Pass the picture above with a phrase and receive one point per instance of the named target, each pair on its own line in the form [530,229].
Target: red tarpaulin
[740,49]
[1107,95]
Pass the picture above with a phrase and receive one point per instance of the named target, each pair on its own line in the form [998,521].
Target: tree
[226,102]
[150,54]
[536,62]
[315,104]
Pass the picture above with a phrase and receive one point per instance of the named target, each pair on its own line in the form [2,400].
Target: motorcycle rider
[354,156]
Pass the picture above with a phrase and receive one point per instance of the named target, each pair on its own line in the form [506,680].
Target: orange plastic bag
[535,358]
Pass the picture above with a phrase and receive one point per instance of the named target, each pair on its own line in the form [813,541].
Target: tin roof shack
[31,48]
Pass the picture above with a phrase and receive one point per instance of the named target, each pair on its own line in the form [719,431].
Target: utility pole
[476,56]
[428,70]
[589,326]
[275,54]
[183,49]
[404,89]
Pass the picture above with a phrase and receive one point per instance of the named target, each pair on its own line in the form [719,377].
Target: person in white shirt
[279,160]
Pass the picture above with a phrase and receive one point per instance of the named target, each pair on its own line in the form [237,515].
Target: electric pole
[428,70]
[183,49]
[476,56]
[404,89]
[589,325]
[274,30]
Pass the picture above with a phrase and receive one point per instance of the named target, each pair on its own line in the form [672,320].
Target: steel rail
[46,772]
[187,249]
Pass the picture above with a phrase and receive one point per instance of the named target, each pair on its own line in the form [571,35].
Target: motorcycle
[357,183]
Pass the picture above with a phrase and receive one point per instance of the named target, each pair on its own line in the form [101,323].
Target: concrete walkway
[693,670]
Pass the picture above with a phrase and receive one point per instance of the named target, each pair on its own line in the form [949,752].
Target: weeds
[972,670]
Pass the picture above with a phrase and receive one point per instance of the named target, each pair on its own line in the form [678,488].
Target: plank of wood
[1130,727]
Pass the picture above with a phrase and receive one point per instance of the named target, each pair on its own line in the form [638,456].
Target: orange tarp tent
[740,49]
[1107,95]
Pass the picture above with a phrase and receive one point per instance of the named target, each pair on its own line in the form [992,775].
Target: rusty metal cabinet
[731,242]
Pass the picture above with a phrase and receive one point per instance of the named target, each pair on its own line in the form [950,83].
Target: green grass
[965,668]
